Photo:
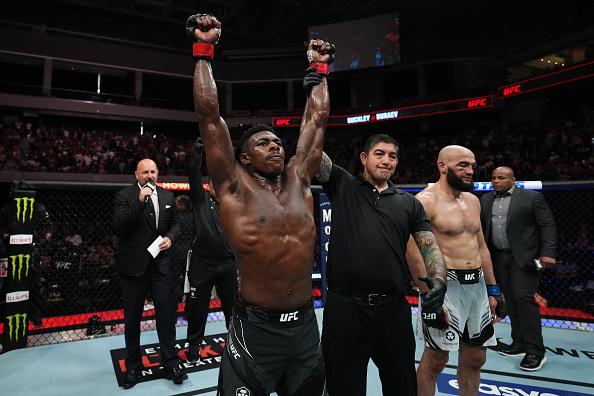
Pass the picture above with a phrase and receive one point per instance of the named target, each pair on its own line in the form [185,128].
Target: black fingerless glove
[200,50]
[311,79]
[433,300]
[191,25]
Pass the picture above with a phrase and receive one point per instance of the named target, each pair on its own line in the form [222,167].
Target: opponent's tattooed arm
[434,261]
[323,174]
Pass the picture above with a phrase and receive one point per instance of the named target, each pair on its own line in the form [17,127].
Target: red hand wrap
[321,67]
[203,50]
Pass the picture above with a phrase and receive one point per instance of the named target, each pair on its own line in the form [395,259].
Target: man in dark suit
[143,212]
[521,235]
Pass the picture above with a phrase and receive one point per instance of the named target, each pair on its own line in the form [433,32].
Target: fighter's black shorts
[272,350]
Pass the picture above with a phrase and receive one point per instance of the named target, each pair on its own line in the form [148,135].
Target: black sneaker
[192,356]
[512,350]
[175,374]
[532,362]
[130,379]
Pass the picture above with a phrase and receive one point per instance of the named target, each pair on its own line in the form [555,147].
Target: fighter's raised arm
[206,30]
[317,108]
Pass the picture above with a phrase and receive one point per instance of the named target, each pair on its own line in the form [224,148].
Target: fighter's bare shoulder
[472,201]
[428,199]
[426,195]
[471,198]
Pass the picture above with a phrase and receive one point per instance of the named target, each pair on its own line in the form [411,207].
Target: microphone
[150,185]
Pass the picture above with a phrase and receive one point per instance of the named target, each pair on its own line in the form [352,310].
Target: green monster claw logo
[17,325]
[19,260]
[27,208]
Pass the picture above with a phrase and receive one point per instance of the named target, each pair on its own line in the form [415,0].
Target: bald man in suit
[519,229]
[142,212]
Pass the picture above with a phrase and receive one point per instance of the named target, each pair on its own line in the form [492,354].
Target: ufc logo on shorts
[234,351]
[287,317]
[243,391]
[429,315]
[469,277]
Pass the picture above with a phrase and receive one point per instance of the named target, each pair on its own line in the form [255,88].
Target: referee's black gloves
[432,312]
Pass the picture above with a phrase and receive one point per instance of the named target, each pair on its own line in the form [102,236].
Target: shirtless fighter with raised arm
[266,210]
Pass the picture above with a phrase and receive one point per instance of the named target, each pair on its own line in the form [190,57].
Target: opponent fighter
[473,301]
[266,210]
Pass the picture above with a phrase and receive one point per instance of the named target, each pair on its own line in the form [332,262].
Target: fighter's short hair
[241,146]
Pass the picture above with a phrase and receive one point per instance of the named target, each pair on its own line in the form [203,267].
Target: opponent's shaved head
[505,170]
[456,167]
[448,153]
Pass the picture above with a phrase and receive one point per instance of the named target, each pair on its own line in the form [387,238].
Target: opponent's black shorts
[272,350]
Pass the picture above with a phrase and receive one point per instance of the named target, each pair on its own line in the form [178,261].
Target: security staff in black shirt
[212,262]
[366,313]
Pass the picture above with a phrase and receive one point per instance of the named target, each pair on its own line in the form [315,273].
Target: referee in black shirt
[366,313]
[212,262]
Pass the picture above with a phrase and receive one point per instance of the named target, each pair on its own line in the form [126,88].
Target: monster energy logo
[17,324]
[24,207]
[19,260]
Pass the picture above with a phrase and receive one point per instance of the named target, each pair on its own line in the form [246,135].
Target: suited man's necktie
[155,202]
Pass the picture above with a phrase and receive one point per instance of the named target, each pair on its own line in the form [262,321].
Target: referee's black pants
[202,278]
[353,332]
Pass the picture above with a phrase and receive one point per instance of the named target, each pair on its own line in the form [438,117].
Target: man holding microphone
[144,213]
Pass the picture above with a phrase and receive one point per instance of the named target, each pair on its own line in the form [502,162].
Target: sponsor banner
[180,186]
[17,296]
[16,325]
[528,185]
[448,384]
[19,266]
[211,353]
[325,228]
[3,267]
[21,239]
[24,208]
[488,186]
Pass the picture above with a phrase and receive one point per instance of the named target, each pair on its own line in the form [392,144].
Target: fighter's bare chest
[281,211]
[456,219]
[267,209]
